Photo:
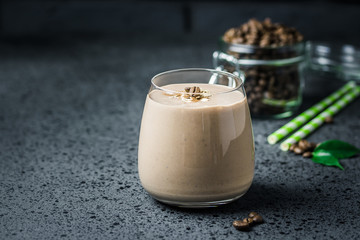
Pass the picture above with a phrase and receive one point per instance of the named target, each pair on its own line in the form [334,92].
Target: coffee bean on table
[252,214]
[240,225]
[313,146]
[249,220]
[329,120]
[298,150]
[258,219]
[303,144]
[307,154]
[292,147]
[245,224]
[303,147]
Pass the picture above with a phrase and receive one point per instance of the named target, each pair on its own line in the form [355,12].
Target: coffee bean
[262,82]
[329,120]
[239,40]
[269,95]
[248,220]
[298,150]
[252,214]
[258,219]
[257,89]
[312,146]
[240,225]
[251,72]
[292,147]
[307,154]
[303,144]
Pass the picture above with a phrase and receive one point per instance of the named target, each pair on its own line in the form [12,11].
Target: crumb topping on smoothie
[192,94]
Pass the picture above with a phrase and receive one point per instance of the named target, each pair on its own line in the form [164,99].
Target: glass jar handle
[221,59]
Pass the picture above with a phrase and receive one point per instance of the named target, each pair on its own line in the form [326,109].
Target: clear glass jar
[339,60]
[274,75]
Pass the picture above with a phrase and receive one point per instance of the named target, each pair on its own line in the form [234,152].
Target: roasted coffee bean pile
[303,147]
[269,88]
[272,84]
[263,34]
[246,224]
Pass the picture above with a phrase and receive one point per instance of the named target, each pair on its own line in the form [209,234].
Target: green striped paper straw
[307,115]
[319,119]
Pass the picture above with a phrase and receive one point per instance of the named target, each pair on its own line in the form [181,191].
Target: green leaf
[326,158]
[338,149]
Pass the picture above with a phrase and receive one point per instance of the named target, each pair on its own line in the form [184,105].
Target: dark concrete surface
[70,112]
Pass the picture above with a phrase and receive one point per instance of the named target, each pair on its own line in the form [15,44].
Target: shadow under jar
[274,75]
[196,148]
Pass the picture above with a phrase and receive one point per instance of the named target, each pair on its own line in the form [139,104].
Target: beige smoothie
[196,149]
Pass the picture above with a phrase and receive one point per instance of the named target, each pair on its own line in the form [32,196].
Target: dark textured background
[71,104]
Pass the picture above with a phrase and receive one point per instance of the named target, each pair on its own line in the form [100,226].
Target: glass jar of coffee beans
[272,57]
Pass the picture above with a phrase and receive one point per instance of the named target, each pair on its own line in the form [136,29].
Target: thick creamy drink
[196,151]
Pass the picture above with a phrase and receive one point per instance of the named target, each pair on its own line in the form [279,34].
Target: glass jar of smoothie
[274,75]
[196,145]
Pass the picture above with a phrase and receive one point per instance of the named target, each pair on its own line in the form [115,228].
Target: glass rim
[254,47]
[257,62]
[214,71]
